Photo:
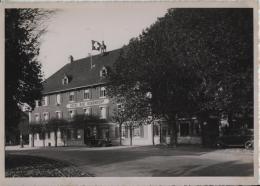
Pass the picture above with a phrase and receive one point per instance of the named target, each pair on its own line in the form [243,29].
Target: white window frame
[74,113]
[72,94]
[58,114]
[101,74]
[105,108]
[45,98]
[65,80]
[87,91]
[58,99]
[87,109]
[102,93]
[36,103]
[44,114]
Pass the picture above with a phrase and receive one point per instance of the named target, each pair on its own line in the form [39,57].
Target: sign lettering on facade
[87,103]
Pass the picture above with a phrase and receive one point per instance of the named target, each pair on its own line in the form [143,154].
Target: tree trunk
[55,137]
[152,132]
[160,132]
[65,136]
[131,136]
[32,140]
[173,134]
[120,134]
[43,139]
[21,140]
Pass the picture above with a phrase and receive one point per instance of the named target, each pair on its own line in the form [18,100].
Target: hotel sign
[87,103]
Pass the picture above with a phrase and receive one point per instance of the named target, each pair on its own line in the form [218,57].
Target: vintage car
[236,138]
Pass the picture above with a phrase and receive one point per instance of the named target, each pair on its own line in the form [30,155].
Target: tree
[194,62]
[23,77]
[34,128]
[127,92]
[83,120]
[120,117]
[55,124]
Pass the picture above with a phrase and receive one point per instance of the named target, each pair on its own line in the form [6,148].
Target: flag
[95,45]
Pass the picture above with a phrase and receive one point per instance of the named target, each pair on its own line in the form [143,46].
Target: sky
[70,30]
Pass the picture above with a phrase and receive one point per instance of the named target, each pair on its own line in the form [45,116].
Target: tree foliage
[193,61]
[23,76]
[83,120]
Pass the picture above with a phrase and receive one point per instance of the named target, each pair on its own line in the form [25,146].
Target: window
[119,106]
[184,129]
[124,132]
[58,99]
[71,114]
[78,134]
[103,72]
[41,136]
[156,130]
[72,96]
[37,117]
[36,103]
[75,133]
[138,131]
[45,116]
[103,92]
[45,101]
[103,114]
[58,114]
[87,111]
[86,94]
[65,80]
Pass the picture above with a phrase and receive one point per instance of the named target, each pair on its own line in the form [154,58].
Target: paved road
[151,161]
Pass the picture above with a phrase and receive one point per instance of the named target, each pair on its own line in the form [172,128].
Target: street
[148,161]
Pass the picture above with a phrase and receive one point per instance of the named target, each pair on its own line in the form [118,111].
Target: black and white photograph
[130,90]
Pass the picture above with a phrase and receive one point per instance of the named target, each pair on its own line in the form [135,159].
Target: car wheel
[249,144]
[219,144]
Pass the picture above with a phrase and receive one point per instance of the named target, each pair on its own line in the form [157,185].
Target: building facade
[80,88]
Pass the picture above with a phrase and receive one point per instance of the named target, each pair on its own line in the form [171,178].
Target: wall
[52,107]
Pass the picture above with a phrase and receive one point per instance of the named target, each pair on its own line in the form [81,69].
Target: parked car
[236,138]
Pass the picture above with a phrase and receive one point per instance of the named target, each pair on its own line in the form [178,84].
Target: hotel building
[79,87]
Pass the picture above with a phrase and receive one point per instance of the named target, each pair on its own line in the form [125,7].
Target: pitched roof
[80,73]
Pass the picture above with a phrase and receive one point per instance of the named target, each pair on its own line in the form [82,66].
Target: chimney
[70,59]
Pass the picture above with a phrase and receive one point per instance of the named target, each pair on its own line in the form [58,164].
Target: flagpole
[91,65]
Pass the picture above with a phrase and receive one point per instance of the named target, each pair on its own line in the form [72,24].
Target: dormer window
[65,80]
[103,72]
